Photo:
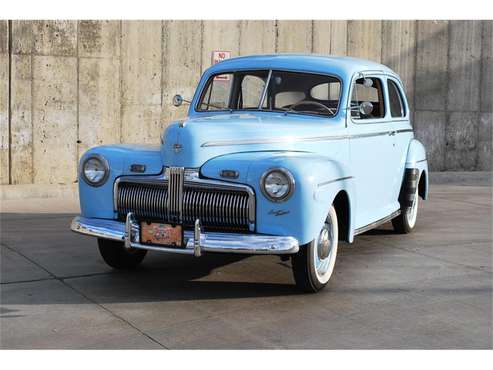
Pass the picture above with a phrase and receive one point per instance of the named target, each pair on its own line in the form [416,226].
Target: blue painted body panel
[309,204]
[98,202]
[368,161]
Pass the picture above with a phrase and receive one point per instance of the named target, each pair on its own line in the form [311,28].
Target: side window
[251,91]
[217,94]
[367,100]
[395,100]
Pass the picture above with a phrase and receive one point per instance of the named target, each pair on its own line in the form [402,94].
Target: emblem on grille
[177,147]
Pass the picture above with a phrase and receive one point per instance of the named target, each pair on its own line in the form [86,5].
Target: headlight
[95,170]
[277,184]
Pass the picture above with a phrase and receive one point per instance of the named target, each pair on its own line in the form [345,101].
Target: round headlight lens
[95,170]
[277,184]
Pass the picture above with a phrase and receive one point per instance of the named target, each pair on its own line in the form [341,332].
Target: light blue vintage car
[279,154]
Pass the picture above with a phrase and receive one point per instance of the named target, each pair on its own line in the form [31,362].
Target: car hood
[191,142]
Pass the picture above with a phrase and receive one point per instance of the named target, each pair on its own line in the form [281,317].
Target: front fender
[318,180]
[98,201]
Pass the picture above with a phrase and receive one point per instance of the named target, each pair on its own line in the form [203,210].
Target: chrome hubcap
[324,249]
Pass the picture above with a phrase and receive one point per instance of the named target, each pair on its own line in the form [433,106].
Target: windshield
[284,91]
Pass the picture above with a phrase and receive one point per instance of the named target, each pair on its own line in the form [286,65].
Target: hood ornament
[177,147]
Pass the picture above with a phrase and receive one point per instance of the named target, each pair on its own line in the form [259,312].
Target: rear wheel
[314,263]
[405,222]
[117,256]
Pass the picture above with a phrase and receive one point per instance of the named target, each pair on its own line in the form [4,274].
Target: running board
[363,229]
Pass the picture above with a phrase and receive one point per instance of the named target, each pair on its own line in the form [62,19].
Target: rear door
[402,133]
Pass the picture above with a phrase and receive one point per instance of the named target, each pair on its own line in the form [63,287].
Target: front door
[371,149]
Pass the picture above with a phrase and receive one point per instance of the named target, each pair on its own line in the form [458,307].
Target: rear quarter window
[396,103]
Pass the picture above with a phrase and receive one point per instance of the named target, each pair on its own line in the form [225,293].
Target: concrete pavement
[429,289]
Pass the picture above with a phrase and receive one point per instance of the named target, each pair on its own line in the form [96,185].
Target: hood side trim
[299,139]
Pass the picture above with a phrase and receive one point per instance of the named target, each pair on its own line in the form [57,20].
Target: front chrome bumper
[196,241]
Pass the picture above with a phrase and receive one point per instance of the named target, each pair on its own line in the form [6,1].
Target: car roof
[337,65]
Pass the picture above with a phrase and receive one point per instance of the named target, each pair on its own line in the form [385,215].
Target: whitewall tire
[406,221]
[314,264]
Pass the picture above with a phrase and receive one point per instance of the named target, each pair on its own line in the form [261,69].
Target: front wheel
[117,256]
[314,263]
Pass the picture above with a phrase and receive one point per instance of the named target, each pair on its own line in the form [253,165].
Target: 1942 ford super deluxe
[279,154]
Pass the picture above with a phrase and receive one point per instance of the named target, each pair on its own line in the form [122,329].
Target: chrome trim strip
[404,130]
[298,139]
[371,134]
[270,140]
[412,163]
[332,181]
[362,229]
[209,242]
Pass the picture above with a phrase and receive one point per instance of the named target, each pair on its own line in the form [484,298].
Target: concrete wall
[66,85]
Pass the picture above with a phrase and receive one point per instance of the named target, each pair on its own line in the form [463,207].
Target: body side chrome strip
[362,229]
[271,140]
[332,181]
[299,139]
[416,162]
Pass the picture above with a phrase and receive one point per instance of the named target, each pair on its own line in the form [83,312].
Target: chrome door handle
[392,133]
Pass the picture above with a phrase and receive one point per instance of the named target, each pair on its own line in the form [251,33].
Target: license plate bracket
[161,234]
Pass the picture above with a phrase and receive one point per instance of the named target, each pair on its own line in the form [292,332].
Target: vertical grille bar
[175,194]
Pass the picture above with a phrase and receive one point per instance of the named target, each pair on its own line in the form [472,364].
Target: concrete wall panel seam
[77,154]
[120,24]
[9,26]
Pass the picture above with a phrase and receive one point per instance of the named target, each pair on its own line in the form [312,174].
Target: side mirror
[177,100]
[366,108]
[367,82]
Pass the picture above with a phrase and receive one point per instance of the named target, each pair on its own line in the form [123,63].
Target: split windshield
[283,91]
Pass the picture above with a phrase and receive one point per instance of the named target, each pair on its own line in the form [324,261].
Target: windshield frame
[265,91]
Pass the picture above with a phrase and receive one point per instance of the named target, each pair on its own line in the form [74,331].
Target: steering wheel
[330,110]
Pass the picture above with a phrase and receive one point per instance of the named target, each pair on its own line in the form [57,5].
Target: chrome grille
[216,206]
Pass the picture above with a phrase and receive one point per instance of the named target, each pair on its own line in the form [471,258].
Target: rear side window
[395,100]
[367,91]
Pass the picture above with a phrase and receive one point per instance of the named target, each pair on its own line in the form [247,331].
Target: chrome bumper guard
[196,241]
